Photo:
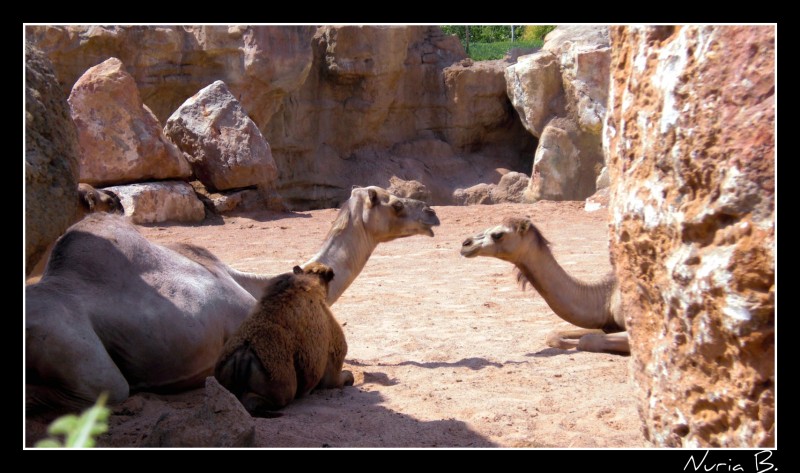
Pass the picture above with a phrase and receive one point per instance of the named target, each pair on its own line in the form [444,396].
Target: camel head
[98,200]
[387,217]
[508,241]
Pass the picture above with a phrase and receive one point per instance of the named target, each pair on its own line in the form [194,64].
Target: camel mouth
[469,249]
[429,220]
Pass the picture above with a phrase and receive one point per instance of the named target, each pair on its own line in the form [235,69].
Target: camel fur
[289,345]
[595,307]
[115,312]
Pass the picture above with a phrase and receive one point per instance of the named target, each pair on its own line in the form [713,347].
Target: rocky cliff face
[691,147]
[51,158]
[560,94]
[337,105]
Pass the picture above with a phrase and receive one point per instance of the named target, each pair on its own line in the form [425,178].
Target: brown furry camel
[115,312]
[589,305]
[289,345]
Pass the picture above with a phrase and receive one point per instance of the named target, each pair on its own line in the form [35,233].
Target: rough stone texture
[51,158]
[511,188]
[333,102]
[559,170]
[409,189]
[120,139]
[477,103]
[153,202]
[261,64]
[220,422]
[690,138]
[560,94]
[223,145]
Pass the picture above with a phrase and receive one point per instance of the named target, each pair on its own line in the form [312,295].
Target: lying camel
[115,312]
[90,200]
[589,305]
[289,345]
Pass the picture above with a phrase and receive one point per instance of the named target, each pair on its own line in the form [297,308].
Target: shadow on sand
[355,418]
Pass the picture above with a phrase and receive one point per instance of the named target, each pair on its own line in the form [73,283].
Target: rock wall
[691,148]
[51,158]
[560,94]
[338,105]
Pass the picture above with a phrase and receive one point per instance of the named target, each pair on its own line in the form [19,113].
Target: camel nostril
[467,242]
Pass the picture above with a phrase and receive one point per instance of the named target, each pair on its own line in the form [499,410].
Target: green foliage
[79,431]
[494,41]
[536,32]
[486,51]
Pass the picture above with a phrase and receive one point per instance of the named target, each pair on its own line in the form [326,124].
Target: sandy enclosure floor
[446,351]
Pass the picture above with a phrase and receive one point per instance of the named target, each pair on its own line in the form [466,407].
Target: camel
[89,200]
[115,312]
[289,345]
[593,306]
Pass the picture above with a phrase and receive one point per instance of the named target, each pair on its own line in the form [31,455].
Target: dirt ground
[446,351]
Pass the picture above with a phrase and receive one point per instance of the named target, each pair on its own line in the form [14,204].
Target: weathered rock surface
[332,102]
[409,189]
[691,145]
[51,158]
[153,202]
[223,145]
[511,188]
[221,422]
[260,64]
[120,139]
[560,94]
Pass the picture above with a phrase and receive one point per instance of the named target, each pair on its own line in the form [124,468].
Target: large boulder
[560,94]
[332,101]
[154,202]
[261,64]
[691,146]
[51,158]
[223,145]
[121,140]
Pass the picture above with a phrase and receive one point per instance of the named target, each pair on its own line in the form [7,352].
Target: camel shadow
[548,352]
[471,363]
[354,417]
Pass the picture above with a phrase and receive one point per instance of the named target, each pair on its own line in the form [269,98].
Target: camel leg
[243,374]
[605,343]
[566,339]
[335,376]
[70,369]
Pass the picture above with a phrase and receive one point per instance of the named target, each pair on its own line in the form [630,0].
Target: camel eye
[497,236]
[397,205]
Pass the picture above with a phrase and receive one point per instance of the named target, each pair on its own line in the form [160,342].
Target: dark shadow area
[548,352]
[471,363]
[356,418]
[379,378]
[212,219]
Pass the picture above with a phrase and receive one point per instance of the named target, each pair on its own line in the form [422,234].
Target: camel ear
[327,275]
[297,270]
[523,227]
[373,197]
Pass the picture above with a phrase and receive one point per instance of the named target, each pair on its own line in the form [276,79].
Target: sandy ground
[446,351]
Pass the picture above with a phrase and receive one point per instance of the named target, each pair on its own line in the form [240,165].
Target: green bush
[494,41]
[78,432]
[536,32]
[497,50]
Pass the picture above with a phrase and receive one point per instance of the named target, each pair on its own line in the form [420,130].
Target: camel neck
[346,252]
[583,304]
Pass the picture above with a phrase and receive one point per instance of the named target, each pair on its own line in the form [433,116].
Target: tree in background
[496,33]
